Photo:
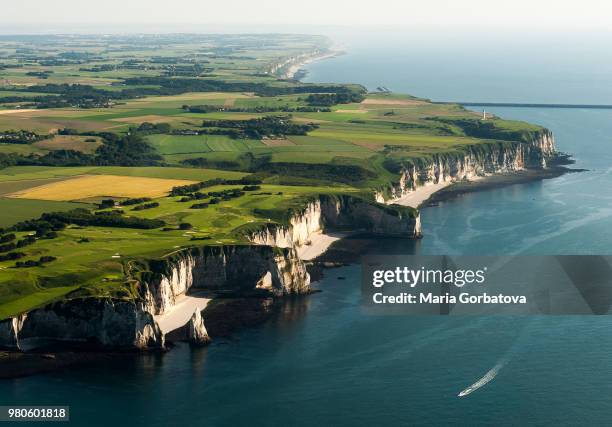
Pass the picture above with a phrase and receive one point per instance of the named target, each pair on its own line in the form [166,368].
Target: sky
[291,15]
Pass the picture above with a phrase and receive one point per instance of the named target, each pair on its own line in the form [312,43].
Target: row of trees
[184,190]
[329,99]
[19,137]
[116,150]
[256,109]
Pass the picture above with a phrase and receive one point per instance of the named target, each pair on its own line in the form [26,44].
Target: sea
[323,361]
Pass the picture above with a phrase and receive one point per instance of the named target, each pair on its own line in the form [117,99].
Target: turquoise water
[323,361]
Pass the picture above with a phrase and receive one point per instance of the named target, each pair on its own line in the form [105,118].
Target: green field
[21,173]
[15,210]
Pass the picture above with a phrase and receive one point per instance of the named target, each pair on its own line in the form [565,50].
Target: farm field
[350,131]
[83,144]
[21,173]
[15,210]
[95,186]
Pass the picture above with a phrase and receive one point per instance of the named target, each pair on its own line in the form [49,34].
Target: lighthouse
[484,115]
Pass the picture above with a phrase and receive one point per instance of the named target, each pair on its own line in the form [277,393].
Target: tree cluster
[19,137]
[184,190]
[257,109]
[329,99]
[269,126]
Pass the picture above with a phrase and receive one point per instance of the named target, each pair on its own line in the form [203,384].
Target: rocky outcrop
[339,213]
[475,161]
[9,332]
[86,322]
[193,331]
[196,330]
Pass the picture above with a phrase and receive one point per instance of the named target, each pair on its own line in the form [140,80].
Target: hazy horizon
[475,38]
[470,16]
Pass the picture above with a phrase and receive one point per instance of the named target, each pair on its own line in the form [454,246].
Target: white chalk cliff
[475,162]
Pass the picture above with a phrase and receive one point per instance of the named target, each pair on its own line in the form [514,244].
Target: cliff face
[105,323]
[223,268]
[281,68]
[338,213]
[90,322]
[9,332]
[478,161]
[545,142]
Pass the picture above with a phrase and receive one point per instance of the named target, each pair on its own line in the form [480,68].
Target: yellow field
[90,186]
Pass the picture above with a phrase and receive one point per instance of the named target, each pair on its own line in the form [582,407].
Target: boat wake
[492,373]
[505,358]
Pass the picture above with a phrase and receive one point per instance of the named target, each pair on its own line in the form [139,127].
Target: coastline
[319,243]
[496,181]
[323,358]
[323,250]
[295,70]
[432,194]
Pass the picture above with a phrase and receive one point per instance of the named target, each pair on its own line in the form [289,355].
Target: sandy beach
[181,312]
[319,243]
[419,196]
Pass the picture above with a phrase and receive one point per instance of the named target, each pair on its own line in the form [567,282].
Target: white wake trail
[492,373]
